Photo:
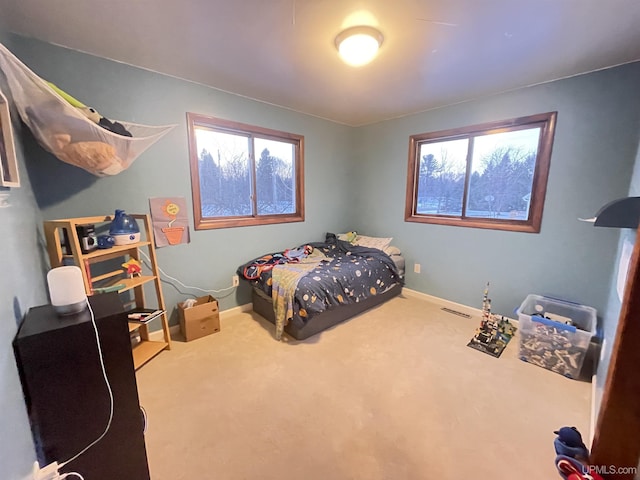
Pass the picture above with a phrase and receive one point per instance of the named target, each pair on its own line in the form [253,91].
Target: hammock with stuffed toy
[67,132]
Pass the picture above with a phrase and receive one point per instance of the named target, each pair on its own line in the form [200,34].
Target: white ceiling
[435,52]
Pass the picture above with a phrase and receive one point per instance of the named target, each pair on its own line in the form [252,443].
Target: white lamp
[66,289]
[357,46]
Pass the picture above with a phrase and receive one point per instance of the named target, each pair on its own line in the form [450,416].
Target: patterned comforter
[350,274]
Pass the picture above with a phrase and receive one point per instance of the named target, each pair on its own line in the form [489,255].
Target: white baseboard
[448,303]
[247,307]
[157,335]
[441,301]
[476,311]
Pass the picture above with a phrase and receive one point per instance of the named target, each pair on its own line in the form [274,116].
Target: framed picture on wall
[8,161]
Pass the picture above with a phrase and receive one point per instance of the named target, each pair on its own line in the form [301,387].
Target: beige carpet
[394,393]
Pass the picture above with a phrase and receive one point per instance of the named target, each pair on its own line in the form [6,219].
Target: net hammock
[66,131]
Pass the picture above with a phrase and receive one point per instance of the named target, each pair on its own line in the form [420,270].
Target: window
[244,175]
[485,176]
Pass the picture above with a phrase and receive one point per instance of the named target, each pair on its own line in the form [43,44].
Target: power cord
[182,284]
[51,472]
[65,475]
[106,381]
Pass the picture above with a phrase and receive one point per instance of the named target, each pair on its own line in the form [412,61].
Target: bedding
[373,242]
[348,274]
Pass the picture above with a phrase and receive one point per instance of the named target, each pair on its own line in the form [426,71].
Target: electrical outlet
[416,268]
[235,280]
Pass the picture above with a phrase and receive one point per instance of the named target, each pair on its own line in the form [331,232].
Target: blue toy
[569,443]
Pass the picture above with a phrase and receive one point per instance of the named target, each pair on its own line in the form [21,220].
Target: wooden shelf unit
[54,231]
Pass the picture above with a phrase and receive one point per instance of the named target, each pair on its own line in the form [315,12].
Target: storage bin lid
[583,317]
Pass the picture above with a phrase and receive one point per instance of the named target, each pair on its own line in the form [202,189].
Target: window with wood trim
[244,175]
[492,175]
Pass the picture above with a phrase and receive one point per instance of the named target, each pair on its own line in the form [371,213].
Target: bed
[306,290]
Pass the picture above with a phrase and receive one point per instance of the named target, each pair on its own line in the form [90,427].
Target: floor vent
[455,312]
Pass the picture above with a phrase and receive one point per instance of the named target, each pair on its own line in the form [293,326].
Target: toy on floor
[569,442]
[494,332]
[572,460]
[552,348]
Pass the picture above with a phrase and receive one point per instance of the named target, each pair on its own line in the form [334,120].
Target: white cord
[144,417]
[182,284]
[106,381]
[65,475]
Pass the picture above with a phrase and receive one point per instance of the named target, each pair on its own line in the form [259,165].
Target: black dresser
[66,396]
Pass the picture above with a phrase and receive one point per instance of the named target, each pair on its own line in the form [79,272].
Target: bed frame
[263,306]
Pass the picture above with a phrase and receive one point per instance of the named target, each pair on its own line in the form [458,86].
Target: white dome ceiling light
[358,46]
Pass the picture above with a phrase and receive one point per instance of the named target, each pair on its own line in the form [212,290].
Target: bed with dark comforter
[335,282]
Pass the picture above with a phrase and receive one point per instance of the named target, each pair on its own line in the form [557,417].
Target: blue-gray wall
[593,155]
[21,287]
[611,313]
[120,91]
[355,179]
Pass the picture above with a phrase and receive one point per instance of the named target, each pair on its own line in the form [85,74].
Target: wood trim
[547,122]
[193,166]
[206,224]
[412,180]
[541,173]
[300,180]
[616,441]
[250,131]
[237,127]
[467,176]
[254,177]
[519,123]
[508,225]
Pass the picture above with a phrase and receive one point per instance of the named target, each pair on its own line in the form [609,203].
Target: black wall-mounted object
[66,396]
[621,213]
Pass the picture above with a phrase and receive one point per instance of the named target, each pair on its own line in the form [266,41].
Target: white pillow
[391,250]
[373,242]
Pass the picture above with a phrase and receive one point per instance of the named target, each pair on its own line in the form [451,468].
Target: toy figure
[569,442]
[494,332]
[572,460]
[133,267]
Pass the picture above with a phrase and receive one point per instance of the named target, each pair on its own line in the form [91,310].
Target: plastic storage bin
[555,334]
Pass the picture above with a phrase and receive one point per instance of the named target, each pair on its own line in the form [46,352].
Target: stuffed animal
[572,460]
[114,127]
[88,112]
[569,442]
[91,113]
[71,100]
[95,157]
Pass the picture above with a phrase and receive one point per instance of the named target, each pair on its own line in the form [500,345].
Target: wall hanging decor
[170,220]
[73,132]
[8,162]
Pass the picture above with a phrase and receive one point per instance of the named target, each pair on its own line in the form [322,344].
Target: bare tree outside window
[486,176]
[244,175]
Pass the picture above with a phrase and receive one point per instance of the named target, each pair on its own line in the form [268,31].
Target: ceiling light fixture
[358,45]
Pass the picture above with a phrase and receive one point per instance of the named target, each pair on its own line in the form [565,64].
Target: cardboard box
[200,320]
